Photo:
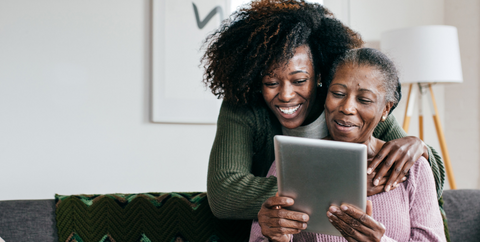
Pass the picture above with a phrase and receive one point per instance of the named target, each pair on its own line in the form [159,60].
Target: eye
[300,81]
[270,84]
[365,100]
[338,94]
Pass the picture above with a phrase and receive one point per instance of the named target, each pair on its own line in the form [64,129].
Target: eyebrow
[366,90]
[343,85]
[361,89]
[299,71]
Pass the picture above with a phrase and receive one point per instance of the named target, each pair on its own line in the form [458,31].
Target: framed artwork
[179,29]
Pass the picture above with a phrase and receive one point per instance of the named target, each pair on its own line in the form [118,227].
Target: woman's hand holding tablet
[278,224]
[354,224]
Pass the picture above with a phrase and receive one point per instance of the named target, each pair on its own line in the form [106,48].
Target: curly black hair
[267,32]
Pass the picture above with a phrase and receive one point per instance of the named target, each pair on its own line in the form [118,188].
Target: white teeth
[289,110]
[344,125]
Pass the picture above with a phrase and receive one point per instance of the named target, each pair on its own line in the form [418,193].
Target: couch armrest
[463,214]
[28,220]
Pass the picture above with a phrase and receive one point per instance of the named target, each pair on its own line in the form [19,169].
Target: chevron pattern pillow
[146,217]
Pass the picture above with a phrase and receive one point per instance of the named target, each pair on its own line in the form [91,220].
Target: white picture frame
[179,29]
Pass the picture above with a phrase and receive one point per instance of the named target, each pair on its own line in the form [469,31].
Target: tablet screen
[317,173]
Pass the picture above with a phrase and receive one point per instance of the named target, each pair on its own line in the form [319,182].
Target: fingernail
[330,220]
[369,170]
[304,226]
[329,214]
[289,200]
[304,217]
[344,208]
[333,209]
[376,181]
[387,188]
[395,184]
[404,178]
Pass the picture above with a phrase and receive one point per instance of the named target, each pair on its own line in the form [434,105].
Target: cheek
[312,90]
[330,104]
[307,92]
[370,116]
[266,93]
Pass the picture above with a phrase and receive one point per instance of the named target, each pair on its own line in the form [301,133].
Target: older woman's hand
[397,156]
[354,224]
[277,223]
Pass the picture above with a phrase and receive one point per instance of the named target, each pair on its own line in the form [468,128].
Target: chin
[290,125]
[344,138]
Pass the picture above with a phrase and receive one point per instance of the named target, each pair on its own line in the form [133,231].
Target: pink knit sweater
[410,212]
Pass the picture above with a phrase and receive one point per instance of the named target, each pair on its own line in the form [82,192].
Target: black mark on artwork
[202,23]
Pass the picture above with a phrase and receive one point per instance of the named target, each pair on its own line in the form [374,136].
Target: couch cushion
[463,213]
[144,217]
[28,220]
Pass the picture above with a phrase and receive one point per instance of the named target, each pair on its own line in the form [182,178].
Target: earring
[319,84]
[384,118]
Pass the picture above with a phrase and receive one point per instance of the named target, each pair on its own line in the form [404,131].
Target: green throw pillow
[146,217]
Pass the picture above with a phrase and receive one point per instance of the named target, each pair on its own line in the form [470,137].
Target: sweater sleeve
[390,130]
[233,191]
[425,218]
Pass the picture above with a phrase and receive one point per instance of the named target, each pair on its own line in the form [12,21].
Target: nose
[286,92]
[348,106]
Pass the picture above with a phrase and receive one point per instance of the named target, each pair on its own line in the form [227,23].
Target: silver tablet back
[318,173]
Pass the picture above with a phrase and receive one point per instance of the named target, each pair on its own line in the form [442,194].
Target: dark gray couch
[34,220]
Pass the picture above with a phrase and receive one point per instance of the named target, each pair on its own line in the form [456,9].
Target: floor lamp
[425,55]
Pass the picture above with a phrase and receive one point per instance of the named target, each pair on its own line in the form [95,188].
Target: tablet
[317,173]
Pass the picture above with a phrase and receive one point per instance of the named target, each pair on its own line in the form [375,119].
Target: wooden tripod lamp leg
[420,112]
[441,138]
[409,109]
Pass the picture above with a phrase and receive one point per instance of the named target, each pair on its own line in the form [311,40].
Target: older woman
[361,95]
[252,46]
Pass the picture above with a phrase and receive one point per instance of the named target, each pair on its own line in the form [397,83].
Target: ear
[386,110]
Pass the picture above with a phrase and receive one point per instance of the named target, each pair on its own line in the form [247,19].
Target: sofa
[35,220]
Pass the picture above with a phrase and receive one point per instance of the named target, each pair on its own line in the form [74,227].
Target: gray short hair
[378,60]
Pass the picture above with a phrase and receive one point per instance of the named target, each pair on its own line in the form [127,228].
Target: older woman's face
[290,90]
[355,103]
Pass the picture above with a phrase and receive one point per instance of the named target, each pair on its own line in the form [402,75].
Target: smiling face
[290,90]
[355,103]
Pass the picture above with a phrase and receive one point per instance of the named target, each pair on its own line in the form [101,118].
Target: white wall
[74,104]
[463,100]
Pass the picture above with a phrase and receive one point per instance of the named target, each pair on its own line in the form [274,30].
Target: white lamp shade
[424,53]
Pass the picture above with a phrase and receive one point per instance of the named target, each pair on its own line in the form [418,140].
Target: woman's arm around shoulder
[233,191]
[390,130]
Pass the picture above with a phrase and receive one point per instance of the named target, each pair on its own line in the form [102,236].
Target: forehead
[362,76]
[302,59]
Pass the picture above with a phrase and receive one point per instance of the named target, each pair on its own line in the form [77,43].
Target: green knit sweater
[243,152]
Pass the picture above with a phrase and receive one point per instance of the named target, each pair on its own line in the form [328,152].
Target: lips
[344,126]
[344,123]
[289,110]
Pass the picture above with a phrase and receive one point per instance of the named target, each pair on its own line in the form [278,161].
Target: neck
[373,146]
